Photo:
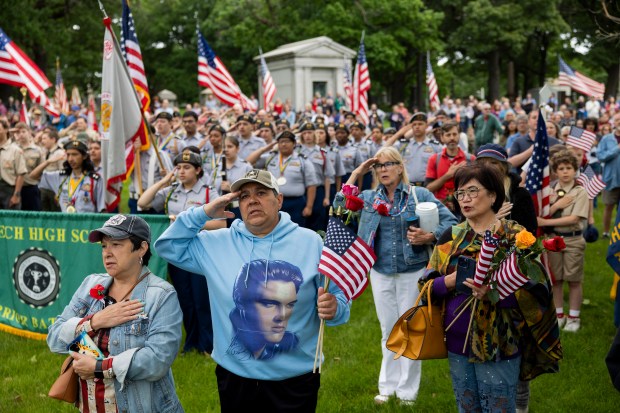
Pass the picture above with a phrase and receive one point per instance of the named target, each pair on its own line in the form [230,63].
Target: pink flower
[350,190]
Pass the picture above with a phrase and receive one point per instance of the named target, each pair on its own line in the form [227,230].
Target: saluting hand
[326,305]
[366,166]
[117,314]
[216,209]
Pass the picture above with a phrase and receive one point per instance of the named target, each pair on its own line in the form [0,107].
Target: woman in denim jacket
[133,317]
[402,255]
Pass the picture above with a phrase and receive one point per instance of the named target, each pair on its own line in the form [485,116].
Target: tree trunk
[419,99]
[542,68]
[494,73]
[525,67]
[512,93]
[611,86]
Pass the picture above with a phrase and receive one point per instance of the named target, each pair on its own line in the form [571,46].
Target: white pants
[395,294]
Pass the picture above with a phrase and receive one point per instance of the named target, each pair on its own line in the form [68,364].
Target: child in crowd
[569,211]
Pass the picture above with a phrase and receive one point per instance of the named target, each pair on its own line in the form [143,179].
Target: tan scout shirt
[12,163]
[579,207]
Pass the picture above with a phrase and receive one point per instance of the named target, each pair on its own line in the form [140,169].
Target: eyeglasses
[471,192]
[387,165]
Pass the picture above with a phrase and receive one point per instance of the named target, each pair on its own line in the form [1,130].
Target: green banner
[44,258]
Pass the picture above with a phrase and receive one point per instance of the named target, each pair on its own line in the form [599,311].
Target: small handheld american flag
[591,182]
[489,245]
[581,138]
[509,277]
[346,259]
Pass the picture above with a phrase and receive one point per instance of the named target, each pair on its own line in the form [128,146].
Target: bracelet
[98,369]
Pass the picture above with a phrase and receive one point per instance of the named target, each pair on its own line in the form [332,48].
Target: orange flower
[524,239]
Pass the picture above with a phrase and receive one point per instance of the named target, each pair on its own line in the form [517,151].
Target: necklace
[490,227]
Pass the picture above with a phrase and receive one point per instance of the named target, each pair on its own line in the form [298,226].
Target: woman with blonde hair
[387,224]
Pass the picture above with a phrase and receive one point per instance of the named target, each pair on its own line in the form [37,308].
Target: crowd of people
[280,170]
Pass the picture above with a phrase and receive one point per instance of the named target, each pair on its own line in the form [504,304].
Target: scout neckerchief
[166,142]
[215,161]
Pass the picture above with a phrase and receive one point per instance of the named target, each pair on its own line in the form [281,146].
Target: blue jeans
[484,387]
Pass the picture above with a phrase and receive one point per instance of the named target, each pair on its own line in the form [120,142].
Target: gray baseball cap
[265,178]
[122,227]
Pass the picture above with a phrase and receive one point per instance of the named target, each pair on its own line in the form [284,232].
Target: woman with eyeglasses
[514,338]
[132,316]
[387,224]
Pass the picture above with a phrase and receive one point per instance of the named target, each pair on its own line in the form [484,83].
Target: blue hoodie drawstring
[267,262]
[247,271]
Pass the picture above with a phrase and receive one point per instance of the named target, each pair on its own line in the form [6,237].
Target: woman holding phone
[502,344]
[402,256]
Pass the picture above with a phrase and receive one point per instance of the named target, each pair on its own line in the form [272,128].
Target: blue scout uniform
[323,169]
[351,159]
[366,151]
[247,146]
[294,174]
[194,140]
[192,289]
[84,193]
[415,157]
[172,145]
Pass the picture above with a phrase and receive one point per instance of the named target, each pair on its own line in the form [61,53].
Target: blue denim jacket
[607,153]
[370,218]
[143,349]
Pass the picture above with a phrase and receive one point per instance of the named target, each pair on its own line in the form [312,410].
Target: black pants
[239,394]
[193,295]
[31,198]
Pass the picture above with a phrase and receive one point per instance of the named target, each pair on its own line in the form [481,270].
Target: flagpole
[108,24]
[319,343]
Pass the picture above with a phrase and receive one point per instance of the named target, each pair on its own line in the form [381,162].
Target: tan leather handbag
[419,334]
[65,387]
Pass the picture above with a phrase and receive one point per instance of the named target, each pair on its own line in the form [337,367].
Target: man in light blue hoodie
[266,296]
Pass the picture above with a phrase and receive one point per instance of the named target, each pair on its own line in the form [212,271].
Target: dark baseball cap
[188,157]
[492,150]
[306,126]
[164,115]
[245,118]
[286,135]
[122,227]
[357,124]
[419,116]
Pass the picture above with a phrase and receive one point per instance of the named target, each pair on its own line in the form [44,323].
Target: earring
[141,261]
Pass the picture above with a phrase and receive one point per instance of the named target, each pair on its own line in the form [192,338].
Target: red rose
[97,292]
[554,244]
[382,209]
[353,203]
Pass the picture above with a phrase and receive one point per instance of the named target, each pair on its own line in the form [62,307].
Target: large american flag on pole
[578,82]
[537,181]
[348,87]
[269,88]
[361,85]
[213,74]
[17,69]
[60,95]
[591,182]
[133,56]
[346,259]
[433,90]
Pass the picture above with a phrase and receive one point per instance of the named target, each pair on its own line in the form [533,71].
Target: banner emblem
[36,277]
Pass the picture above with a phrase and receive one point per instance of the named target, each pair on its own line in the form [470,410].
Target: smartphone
[466,268]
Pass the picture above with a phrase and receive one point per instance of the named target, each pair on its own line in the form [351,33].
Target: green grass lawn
[352,353]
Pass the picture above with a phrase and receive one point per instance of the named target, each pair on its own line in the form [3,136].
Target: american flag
[269,88]
[508,277]
[45,102]
[133,57]
[537,181]
[348,87]
[591,182]
[489,245]
[346,259]
[361,85]
[581,138]
[213,74]
[60,96]
[433,90]
[579,82]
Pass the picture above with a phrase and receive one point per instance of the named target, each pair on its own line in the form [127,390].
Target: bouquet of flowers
[505,268]
[353,204]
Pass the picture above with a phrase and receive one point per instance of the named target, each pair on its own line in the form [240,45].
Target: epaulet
[302,156]
[62,172]
[403,139]
[333,149]
[434,141]
[323,150]
[95,176]
[175,183]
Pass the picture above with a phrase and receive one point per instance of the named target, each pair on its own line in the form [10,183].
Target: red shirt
[436,169]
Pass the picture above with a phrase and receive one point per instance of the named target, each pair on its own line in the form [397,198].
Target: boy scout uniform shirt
[33,157]
[322,165]
[194,140]
[12,163]
[416,155]
[171,145]
[233,172]
[247,146]
[90,187]
[56,166]
[175,199]
[365,149]
[351,157]
[579,207]
[299,173]
[333,154]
